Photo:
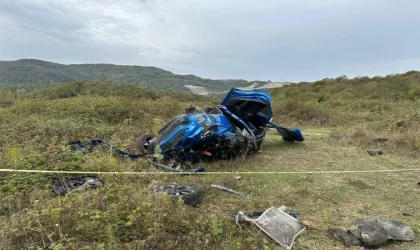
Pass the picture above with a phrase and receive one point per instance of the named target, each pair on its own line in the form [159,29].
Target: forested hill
[29,71]
[393,87]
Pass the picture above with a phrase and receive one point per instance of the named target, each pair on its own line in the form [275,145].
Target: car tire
[190,194]
[142,143]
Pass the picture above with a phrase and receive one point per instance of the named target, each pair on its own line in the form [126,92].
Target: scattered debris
[226,189]
[374,234]
[381,139]
[191,195]
[175,170]
[408,214]
[73,184]
[294,214]
[276,223]
[373,152]
[255,215]
[89,145]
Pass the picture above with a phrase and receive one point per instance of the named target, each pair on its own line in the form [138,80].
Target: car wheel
[142,143]
[190,194]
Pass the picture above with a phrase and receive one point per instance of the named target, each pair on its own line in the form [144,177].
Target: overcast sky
[289,40]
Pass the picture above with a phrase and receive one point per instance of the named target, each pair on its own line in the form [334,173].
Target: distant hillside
[391,87]
[96,88]
[392,100]
[29,71]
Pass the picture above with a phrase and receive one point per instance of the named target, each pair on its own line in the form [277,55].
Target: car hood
[251,105]
[255,95]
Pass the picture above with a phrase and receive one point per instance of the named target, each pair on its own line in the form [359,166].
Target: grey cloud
[273,39]
[49,20]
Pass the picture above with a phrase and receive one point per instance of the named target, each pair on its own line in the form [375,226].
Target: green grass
[125,214]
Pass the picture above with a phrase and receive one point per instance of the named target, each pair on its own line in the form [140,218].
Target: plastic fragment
[229,190]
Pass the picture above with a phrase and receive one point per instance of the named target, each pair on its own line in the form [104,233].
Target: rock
[356,234]
[345,237]
[397,230]
[372,234]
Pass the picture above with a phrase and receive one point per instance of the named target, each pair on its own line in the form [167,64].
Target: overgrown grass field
[339,125]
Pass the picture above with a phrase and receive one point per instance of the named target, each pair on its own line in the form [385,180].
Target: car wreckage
[237,126]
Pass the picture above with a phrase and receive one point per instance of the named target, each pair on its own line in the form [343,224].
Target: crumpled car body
[237,126]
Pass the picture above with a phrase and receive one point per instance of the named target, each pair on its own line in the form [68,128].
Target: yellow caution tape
[209,173]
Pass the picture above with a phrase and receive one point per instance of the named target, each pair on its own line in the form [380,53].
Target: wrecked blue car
[236,127]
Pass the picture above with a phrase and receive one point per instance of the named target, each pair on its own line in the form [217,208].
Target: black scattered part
[252,215]
[418,183]
[89,145]
[229,190]
[373,152]
[344,237]
[255,215]
[142,144]
[382,139]
[78,145]
[408,214]
[295,214]
[64,186]
[192,195]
